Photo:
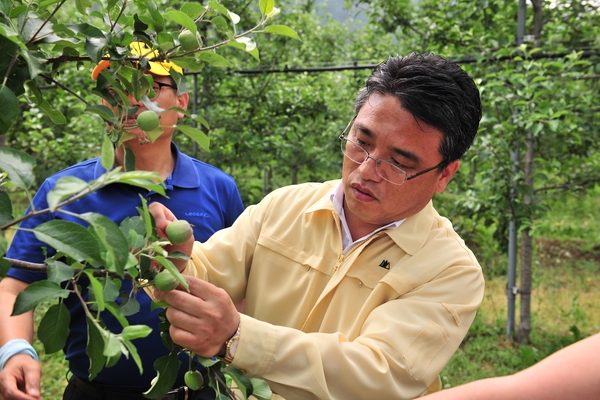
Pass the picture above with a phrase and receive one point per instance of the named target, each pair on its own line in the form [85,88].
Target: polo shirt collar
[184,174]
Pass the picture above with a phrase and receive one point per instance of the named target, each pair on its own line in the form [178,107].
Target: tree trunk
[527,248]
[267,180]
[538,23]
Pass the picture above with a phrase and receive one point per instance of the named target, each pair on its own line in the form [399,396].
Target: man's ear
[447,175]
[183,100]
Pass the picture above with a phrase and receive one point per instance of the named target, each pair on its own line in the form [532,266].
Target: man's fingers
[199,289]
[20,379]
[32,381]
[162,216]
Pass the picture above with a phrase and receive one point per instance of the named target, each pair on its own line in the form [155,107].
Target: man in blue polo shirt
[197,192]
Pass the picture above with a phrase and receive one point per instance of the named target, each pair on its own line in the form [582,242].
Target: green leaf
[115,243]
[94,349]
[182,19]
[132,332]
[147,218]
[65,187]
[5,7]
[5,265]
[233,17]
[36,293]
[214,59]
[12,35]
[166,368]
[58,271]
[56,116]
[190,63]
[254,53]
[102,111]
[112,287]
[113,308]
[282,30]
[247,42]
[158,22]
[36,62]
[94,47]
[112,345]
[192,10]
[54,328]
[243,383]
[208,362]
[35,26]
[133,223]
[108,153]
[134,353]
[168,264]
[266,6]
[5,208]
[261,389]
[197,135]
[10,109]
[129,160]
[69,238]
[96,287]
[83,5]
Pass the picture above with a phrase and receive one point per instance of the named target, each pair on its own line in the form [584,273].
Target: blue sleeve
[24,245]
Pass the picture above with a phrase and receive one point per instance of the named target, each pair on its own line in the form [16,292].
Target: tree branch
[43,268]
[566,186]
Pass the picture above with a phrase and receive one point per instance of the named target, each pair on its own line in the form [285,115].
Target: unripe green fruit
[194,380]
[179,232]
[148,120]
[165,281]
[188,41]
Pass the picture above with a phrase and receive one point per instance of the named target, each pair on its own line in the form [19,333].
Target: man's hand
[163,217]
[201,320]
[20,379]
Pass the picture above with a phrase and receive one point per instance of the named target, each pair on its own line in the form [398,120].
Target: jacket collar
[411,235]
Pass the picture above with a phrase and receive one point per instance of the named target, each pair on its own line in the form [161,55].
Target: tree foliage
[40,47]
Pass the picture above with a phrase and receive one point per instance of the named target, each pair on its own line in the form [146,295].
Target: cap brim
[157,68]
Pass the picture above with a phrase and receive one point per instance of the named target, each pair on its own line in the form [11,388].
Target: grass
[565,305]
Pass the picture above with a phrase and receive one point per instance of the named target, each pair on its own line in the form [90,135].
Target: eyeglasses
[385,169]
[156,88]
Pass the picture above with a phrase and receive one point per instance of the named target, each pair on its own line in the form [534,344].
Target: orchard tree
[39,48]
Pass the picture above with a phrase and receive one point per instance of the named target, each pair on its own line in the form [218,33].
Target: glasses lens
[385,169]
[353,151]
[391,173]
[156,90]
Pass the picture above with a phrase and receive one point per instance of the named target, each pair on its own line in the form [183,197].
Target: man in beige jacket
[357,288]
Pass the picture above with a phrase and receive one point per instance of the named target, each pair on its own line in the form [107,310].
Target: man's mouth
[362,193]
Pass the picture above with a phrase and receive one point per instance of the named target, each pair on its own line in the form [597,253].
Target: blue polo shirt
[200,193]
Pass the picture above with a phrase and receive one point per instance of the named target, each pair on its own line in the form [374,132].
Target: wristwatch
[231,345]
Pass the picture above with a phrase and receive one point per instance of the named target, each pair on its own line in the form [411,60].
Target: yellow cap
[141,49]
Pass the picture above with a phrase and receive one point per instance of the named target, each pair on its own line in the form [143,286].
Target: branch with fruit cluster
[131,250]
[37,46]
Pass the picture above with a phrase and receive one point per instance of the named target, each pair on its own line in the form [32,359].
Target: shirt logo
[384,264]
[196,214]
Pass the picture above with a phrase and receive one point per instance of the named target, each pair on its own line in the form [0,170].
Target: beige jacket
[321,325]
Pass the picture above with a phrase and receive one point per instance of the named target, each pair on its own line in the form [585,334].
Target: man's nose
[368,171]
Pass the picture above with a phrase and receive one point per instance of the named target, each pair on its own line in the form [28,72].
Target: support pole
[511,289]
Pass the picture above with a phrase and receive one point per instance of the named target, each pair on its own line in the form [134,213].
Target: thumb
[162,216]
[32,373]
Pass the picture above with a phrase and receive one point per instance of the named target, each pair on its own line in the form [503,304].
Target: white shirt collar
[337,198]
